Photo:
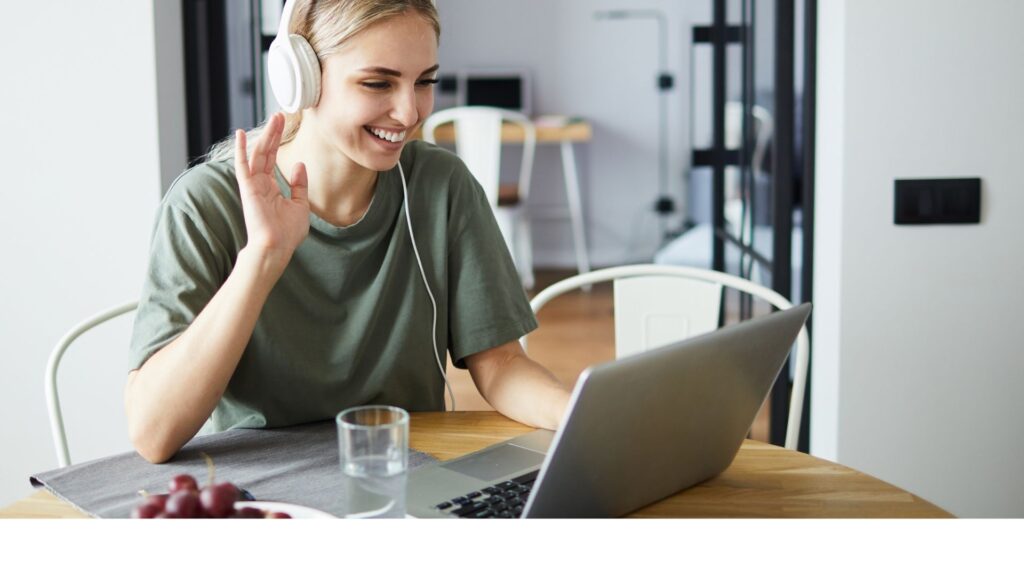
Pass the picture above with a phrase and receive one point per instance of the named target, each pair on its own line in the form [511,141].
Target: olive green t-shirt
[349,322]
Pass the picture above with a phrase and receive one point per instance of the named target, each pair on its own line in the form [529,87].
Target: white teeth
[389,136]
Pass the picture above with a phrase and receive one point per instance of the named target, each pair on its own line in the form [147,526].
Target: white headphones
[293,67]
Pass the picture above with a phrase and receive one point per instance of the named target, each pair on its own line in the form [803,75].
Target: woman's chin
[381,162]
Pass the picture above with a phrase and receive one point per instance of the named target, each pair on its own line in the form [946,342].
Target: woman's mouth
[386,135]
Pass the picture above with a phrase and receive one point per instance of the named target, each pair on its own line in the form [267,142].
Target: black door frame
[223,70]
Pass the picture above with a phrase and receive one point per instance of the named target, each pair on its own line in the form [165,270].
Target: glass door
[755,150]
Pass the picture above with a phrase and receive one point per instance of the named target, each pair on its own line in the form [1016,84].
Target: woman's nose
[404,107]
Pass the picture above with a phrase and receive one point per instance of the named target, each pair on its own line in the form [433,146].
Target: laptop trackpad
[497,463]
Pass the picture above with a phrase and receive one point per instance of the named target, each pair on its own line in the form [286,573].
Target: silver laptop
[638,429]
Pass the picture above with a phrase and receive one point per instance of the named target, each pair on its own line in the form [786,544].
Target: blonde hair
[327,25]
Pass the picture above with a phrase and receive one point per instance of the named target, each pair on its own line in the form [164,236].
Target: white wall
[604,71]
[919,379]
[90,139]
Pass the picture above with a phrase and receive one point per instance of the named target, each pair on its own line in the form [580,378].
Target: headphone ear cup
[294,73]
[309,66]
[281,71]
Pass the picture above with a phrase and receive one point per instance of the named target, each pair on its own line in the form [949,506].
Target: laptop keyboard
[502,500]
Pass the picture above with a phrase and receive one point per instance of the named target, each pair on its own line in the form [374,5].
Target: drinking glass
[373,442]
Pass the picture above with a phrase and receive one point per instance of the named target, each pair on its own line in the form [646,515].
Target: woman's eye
[372,85]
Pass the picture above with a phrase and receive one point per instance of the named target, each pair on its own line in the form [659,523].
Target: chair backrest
[652,311]
[662,304]
[478,143]
[60,440]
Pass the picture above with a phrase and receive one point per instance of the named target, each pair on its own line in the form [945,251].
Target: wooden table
[512,133]
[764,481]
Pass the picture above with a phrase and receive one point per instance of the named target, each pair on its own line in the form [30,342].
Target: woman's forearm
[519,387]
[169,398]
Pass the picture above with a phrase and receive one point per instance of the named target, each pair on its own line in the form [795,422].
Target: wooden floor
[576,330]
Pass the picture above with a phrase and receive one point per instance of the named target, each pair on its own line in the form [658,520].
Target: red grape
[218,500]
[156,500]
[183,504]
[183,482]
[147,511]
[248,512]
[278,515]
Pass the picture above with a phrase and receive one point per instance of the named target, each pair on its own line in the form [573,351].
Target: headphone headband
[285,25]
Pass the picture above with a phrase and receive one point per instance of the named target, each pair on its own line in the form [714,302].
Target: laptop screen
[498,91]
[507,88]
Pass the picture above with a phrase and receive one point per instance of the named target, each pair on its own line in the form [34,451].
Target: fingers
[299,183]
[258,157]
[241,160]
[261,151]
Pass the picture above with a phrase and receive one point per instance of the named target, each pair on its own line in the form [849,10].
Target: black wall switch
[945,201]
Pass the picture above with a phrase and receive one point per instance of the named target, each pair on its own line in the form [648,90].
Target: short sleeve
[192,251]
[487,304]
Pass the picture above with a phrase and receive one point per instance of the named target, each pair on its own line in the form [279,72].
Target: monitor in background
[502,88]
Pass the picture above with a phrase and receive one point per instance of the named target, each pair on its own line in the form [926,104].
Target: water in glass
[374,487]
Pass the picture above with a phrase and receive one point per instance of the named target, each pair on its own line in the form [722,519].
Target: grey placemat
[298,465]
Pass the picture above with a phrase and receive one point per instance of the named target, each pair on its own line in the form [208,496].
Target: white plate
[293,510]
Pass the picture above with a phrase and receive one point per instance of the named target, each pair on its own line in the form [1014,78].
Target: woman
[273,302]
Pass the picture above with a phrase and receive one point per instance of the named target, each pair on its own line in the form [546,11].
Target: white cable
[433,304]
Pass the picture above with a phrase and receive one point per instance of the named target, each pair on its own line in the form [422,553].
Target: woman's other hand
[275,225]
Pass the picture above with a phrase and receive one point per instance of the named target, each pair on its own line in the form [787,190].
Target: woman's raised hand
[275,224]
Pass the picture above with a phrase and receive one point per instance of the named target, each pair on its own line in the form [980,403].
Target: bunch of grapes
[186,500]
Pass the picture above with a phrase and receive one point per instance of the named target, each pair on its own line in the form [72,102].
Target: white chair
[655,305]
[60,440]
[478,142]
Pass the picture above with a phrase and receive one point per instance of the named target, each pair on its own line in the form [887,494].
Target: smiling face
[377,88]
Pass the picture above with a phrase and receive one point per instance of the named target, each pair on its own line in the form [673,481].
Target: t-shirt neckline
[371,220]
